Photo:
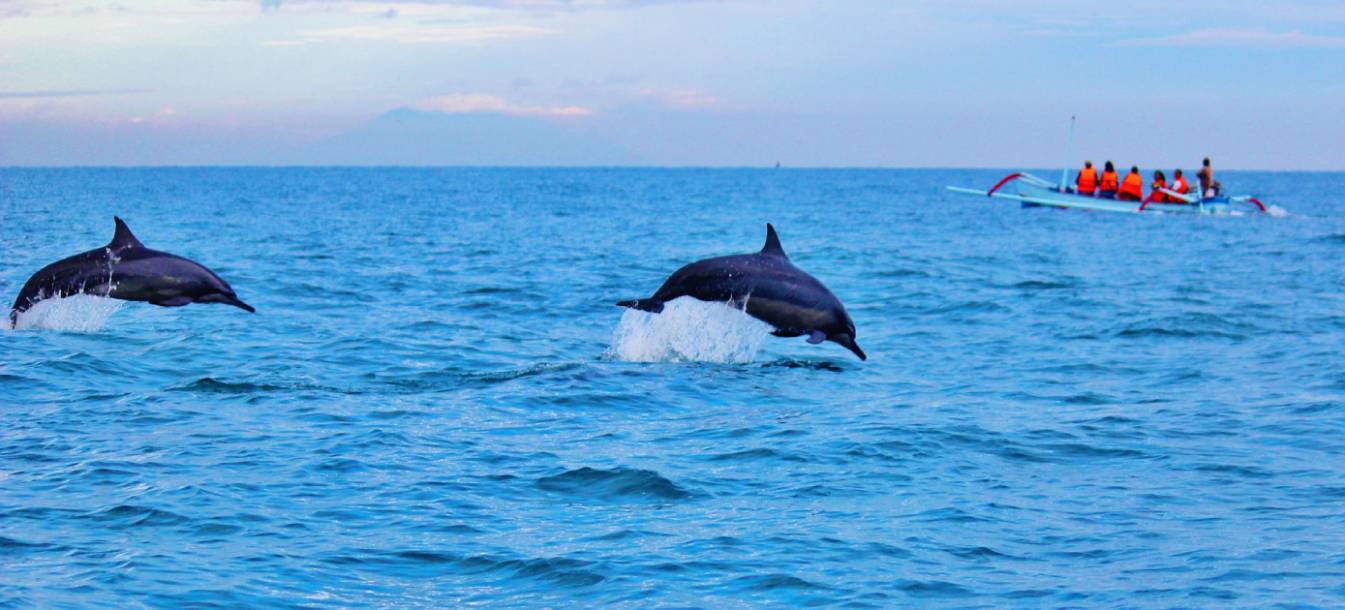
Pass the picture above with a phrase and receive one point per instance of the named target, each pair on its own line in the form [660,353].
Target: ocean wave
[775,582]
[456,378]
[428,563]
[130,515]
[934,589]
[614,484]
[215,386]
[1038,285]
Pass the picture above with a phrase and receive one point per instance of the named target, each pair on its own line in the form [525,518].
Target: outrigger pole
[1069,157]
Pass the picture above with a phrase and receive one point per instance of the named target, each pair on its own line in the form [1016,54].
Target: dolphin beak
[848,342]
[236,302]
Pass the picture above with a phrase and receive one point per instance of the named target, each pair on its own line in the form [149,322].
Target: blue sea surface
[437,404]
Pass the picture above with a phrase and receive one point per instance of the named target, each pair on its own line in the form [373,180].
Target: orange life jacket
[1155,191]
[1133,185]
[1087,180]
[1179,185]
[1108,181]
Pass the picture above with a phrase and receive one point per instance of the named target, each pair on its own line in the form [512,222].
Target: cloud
[410,34]
[1242,38]
[519,5]
[682,99]
[67,93]
[465,103]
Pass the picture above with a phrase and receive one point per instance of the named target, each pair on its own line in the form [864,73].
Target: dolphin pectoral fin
[816,337]
[649,305]
[780,332]
[177,301]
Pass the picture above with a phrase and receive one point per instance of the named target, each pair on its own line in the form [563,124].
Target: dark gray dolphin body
[125,269]
[769,288]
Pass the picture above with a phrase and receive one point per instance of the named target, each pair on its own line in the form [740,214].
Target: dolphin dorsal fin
[772,246]
[123,238]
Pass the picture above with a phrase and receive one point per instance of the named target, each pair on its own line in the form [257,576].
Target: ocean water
[437,404]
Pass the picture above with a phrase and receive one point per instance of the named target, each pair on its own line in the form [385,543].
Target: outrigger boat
[1033,192]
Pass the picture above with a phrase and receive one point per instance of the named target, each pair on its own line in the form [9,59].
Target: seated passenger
[1086,182]
[1132,188]
[1179,185]
[1107,184]
[1156,194]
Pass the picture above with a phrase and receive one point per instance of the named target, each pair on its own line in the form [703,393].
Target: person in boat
[1086,182]
[1208,187]
[1132,188]
[1179,185]
[1107,184]
[1156,194]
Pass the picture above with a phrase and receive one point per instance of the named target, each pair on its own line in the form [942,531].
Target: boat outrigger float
[1032,192]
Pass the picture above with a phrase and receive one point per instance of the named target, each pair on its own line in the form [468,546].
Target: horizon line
[585,167]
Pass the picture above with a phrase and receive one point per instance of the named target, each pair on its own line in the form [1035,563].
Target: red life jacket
[1133,185]
[1179,185]
[1087,181]
[1108,182]
[1156,193]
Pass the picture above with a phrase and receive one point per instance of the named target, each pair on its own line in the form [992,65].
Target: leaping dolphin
[125,269]
[769,288]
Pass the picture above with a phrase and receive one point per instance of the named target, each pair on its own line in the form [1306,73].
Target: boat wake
[78,313]
[688,330]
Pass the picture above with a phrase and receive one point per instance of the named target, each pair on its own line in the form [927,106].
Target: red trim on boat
[1258,203]
[1002,182]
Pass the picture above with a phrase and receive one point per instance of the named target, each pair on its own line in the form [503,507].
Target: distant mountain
[404,136]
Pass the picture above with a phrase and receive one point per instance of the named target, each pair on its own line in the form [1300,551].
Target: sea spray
[77,313]
[688,330]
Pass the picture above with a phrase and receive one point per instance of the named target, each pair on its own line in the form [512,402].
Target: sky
[850,83]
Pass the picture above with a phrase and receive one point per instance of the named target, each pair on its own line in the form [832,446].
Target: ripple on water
[434,563]
[438,405]
[616,484]
[776,582]
[216,386]
[130,515]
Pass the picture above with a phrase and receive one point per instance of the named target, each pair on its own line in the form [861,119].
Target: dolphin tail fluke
[649,305]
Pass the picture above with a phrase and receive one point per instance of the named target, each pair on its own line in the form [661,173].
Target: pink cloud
[463,103]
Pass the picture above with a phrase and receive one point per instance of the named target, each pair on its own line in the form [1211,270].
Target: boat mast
[1069,157]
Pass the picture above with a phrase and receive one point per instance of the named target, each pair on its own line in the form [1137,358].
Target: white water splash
[78,313]
[1276,211]
[688,330]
